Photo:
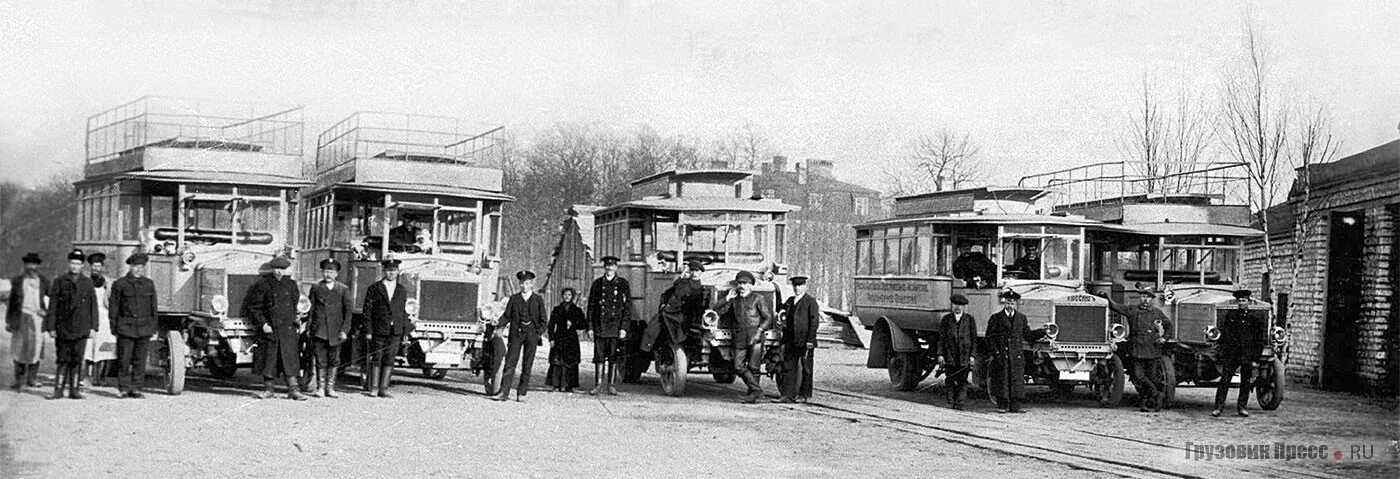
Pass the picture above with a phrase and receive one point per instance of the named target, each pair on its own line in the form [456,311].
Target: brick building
[821,233]
[1334,271]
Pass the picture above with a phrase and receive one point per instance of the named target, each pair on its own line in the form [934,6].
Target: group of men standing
[71,310]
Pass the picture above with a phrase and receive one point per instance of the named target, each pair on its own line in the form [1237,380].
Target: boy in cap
[132,311]
[1241,342]
[957,349]
[271,308]
[526,320]
[329,326]
[754,316]
[386,306]
[1007,335]
[799,342]
[609,315]
[72,318]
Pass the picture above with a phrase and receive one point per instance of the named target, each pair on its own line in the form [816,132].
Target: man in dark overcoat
[24,320]
[132,309]
[682,306]
[804,316]
[72,318]
[1148,328]
[957,350]
[386,306]
[609,318]
[1007,335]
[1241,342]
[329,326]
[752,316]
[272,311]
[526,320]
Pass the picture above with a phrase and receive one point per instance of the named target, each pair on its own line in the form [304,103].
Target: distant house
[1339,296]
[822,238]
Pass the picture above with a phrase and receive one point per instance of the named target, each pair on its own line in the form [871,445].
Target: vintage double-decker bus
[1179,229]
[706,215]
[207,189]
[978,242]
[417,188]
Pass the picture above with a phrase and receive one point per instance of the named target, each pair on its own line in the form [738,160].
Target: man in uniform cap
[526,320]
[957,349]
[1007,335]
[1148,330]
[329,326]
[72,318]
[1241,342]
[271,308]
[799,343]
[609,316]
[386,306]
[132,309]
[753,316]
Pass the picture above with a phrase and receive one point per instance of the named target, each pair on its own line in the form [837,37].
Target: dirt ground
[857,427]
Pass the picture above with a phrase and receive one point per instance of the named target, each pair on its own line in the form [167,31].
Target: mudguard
[881,344]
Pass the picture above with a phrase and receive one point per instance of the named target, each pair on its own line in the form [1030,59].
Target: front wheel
[905,370]
[177,351]
[1108,381]
[1268,388]
[673,375]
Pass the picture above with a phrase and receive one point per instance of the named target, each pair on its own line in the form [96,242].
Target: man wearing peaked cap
[1148,330]
[386,307]
[329,325]
[799,343]
[957,349]
[72,318]
[609,319]
[1241,343]
[754,315]
[1007,335]
[525,318]
[24,320]
[271,307]
[132,311]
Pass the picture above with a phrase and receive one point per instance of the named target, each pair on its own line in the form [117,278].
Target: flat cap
[279,263]
[798,280]
[32,258]
[138,258]
[1243,294]
[958,299]
[744,276]
[695,265]
[97,258]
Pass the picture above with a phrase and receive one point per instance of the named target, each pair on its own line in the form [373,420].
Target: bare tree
[1255,133]
[744,148]
[944,158]
[1314,145]
[1165,142]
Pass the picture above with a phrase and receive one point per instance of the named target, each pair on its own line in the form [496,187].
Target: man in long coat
[957,349]
[132,310]
[799,343]
[609,317]
[386,306]
[1241,342]
[329,326]
[271,308]
[752,316]
[1148,328]
[24,320]
[72,318]
[526,320]
[1007,335]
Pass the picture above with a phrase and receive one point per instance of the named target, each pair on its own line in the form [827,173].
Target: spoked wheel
[1108,381]
[1268,386]
[176,353]
[673,372]
[905,370]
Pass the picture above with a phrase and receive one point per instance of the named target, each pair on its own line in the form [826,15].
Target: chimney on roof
[779,163]
[822,168]
[801,173]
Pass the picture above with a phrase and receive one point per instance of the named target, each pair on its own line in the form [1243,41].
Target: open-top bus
[1179,229]
[207,189]
[415,188]
[707,215]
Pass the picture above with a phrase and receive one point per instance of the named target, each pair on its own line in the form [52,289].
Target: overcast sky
[1040,85]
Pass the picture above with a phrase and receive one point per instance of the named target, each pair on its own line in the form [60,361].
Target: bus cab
[209,196]
[411,188]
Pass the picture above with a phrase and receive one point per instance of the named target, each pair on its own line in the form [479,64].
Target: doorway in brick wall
[1345,269]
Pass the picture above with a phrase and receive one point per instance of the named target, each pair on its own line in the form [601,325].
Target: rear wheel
[905,370]
[673,372]
[1108,381]
[177,351]
[1269,388]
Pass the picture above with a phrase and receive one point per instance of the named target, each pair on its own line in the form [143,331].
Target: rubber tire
[1109,395]
[725,378]
[1271,387]
[224,368]
[177,354]
[673,383]
[436,374]
[905,370]
[1168,381]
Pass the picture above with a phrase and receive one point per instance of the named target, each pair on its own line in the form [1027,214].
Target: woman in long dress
[565,322]
[102,347]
